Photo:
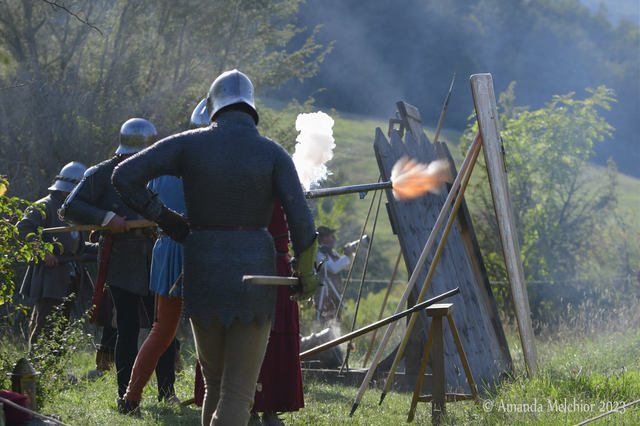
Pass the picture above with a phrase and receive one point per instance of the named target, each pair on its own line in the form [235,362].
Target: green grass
[592,356]
[600,370]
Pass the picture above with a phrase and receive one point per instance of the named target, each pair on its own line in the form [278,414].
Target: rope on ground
[33,413]
[617,410]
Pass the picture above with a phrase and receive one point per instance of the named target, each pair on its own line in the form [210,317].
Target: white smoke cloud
[314,148]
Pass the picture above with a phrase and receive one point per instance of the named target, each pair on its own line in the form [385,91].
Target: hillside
[410,50]
[354,163]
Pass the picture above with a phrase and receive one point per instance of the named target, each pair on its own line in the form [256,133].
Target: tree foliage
[75,85]
[558,205]
[13,249]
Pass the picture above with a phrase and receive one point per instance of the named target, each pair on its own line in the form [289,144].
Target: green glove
[306,271]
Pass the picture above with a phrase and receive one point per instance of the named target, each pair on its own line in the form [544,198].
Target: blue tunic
[168,259]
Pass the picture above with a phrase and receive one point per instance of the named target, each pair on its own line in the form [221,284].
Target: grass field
[587,365]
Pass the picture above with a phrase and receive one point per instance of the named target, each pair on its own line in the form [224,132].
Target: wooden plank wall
[413,222]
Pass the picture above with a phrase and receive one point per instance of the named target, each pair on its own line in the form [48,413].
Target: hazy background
[386,51]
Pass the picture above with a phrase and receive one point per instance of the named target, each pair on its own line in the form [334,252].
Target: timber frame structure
[457,262]
[460,265]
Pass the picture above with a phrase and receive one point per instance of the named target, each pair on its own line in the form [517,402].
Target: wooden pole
[140,223]
[414,275]
[364,274]
[353,261]
[33,413]
[442,114]
[489,127]
[376,325]
[384,305]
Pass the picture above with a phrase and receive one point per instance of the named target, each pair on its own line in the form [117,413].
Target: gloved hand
[304,265]
[174,225]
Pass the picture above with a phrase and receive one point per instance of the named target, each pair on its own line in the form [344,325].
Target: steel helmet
[200,116]
[135,135]
[69,177]
[231,87]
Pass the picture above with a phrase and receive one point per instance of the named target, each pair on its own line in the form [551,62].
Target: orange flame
[412,179]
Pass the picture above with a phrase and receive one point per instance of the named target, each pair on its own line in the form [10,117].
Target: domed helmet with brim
[70,175]
[135,135]
[200,116]
[231,87]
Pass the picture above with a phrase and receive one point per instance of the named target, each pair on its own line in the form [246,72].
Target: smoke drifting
[314,148]
[387,51]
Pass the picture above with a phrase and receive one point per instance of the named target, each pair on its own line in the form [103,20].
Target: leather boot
[179,364]
[104,361]
[271,419]
[128,407]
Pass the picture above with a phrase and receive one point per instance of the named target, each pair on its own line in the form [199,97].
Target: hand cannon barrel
[352,189]
[379,324]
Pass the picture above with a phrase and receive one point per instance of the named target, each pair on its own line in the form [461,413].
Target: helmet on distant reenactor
[231,87]
[200,116]
[135,135]
[70,175]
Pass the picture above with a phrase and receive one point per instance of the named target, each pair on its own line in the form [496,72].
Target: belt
[120,238]
[135,234]
[229,228]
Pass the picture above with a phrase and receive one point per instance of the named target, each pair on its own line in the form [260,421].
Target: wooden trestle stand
[436,340]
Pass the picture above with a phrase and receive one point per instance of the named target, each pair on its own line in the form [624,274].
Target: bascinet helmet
[200,116]
[231,87]
[69,177]
[135,135]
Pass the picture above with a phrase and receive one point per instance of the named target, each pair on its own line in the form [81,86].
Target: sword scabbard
[107,241]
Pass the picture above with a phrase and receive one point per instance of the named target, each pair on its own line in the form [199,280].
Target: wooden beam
[489,127]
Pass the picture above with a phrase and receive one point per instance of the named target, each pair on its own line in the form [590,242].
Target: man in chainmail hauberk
[231,175]
[95,201]
[50,282]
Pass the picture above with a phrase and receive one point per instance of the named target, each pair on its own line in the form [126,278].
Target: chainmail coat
[41,281]
[231,175]
[130,259]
